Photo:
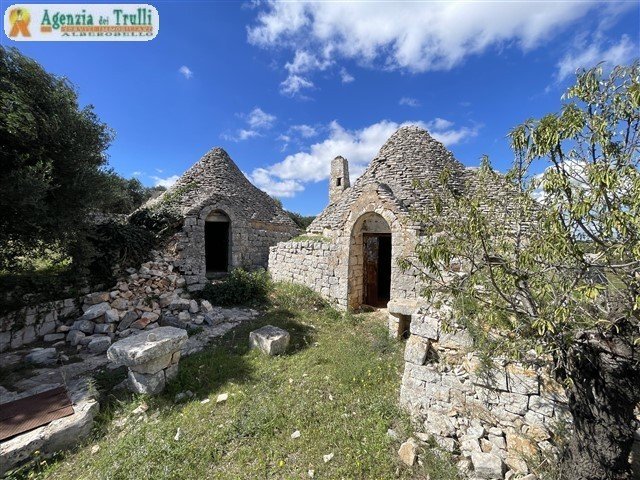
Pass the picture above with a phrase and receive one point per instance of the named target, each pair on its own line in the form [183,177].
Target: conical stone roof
[215,177]
[410,154]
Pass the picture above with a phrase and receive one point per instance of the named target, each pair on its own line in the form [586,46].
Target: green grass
[338,384]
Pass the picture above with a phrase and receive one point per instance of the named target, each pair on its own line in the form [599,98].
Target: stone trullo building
[228,222]
[497,421]
[367,227]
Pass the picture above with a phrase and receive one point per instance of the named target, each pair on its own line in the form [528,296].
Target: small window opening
[338,181]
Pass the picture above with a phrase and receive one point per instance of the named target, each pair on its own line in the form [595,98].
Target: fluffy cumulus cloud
[418,37]
[186,72]
[585,55]
[258,121]
[286,178]
[165,182]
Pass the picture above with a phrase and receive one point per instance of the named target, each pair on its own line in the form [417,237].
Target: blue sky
[286,87]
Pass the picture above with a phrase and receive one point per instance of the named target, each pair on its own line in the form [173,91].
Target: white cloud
[359,146]
[137,173]
[304,61]
[186,72]
[165,182]
[257,122]
[409,102]
[262,179]
[419,36]
[306,131]
[586,56]
[345,76]
[293,84]
[258,119]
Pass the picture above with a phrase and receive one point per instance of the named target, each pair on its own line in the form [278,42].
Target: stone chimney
[339,180]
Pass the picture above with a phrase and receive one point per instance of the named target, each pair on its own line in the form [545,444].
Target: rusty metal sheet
[32,412]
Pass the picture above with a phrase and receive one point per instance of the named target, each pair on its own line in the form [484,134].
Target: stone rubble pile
[150,297]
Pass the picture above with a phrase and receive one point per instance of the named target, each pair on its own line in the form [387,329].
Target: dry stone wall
[311,263]
[149,297]
[497,418]
[39,322]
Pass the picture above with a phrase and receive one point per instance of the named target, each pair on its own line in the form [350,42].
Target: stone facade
[381,202]
[215,188]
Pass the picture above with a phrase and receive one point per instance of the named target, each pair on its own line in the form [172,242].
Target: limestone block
[16,338]
[459,340]
[5,341]
[95,311]
[29,334]
[96,297]
[425,373]
[521,445]
[425,326]
[148,384]
[145,347]
[54,337]
[85,326]
[439,424]
[416,350]
[154,365]
[270,340]
[99,345]
[127,320]
[42,356]
[46,328]
[487,465]
[111,316]
[408,452]
[74,337]
[541,405]
[180,304]
[523,380]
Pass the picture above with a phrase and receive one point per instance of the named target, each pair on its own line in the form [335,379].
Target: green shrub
[114,247]
[163,220]
[239,288]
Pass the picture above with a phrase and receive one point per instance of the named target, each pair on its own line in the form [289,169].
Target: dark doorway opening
[377,269]
[216,245]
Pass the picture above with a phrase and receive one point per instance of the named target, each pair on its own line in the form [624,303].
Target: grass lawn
[338,385]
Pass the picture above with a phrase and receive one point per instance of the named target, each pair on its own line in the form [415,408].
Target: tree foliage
[551,261]
[54,175]
[51,151]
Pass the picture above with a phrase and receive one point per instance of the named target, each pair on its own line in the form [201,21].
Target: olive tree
[551,261]
[52,153]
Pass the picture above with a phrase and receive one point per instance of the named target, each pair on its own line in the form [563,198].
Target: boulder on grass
[270,340]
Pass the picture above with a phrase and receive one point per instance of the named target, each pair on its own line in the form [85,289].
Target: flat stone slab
[146,347]
[270,340]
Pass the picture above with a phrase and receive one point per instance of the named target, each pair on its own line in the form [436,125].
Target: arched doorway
[217,229]
[370,262]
